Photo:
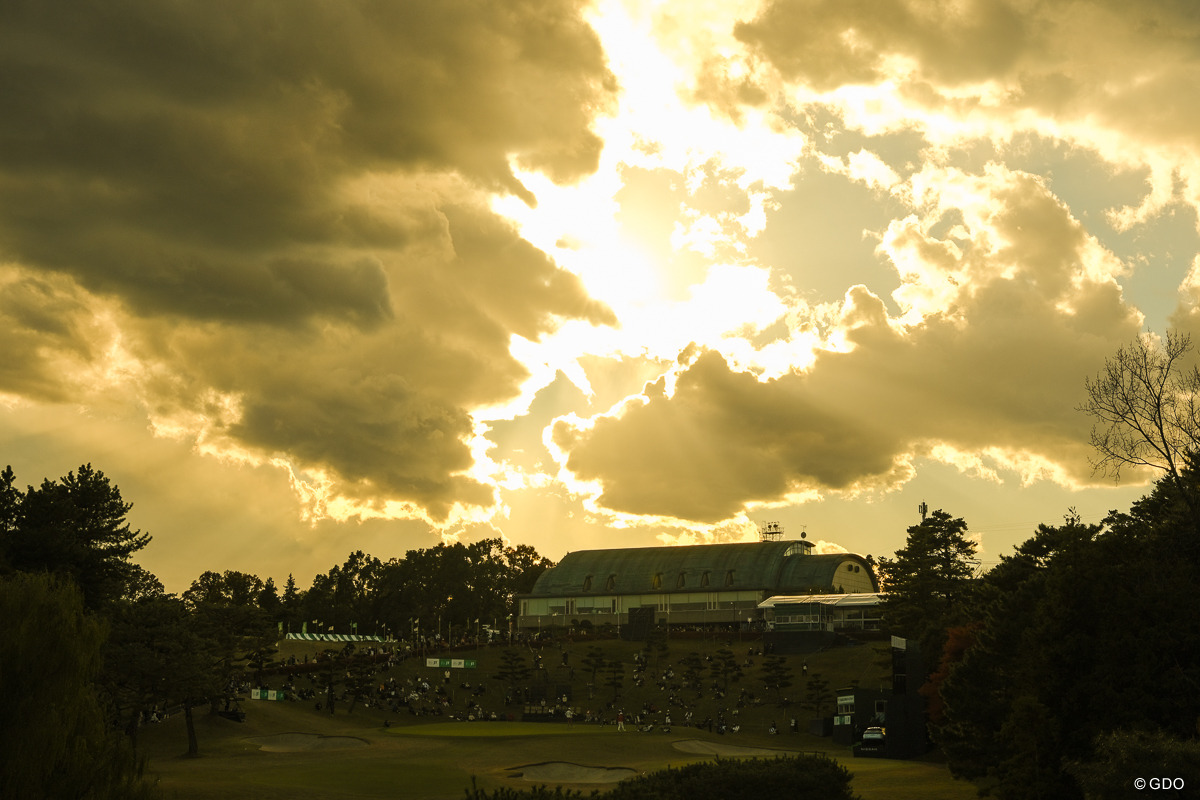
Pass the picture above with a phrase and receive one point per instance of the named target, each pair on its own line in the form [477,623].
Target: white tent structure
[823,612]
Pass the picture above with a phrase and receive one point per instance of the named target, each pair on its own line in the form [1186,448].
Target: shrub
[802,777]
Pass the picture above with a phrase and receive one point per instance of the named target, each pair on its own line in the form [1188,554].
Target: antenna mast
[770,532]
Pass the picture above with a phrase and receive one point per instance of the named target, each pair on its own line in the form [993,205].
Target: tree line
[91,644]
[1073,666]
[441,592]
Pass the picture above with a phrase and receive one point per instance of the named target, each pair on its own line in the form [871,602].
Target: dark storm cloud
[283,208]
[834,42]
[49,333]
[188,155]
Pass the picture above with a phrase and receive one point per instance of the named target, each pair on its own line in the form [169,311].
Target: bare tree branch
[1145,403]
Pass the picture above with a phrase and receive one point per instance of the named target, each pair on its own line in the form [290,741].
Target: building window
[611,583]
[704,579]
[682,581]
[729,578]
[656,582]
[587,583]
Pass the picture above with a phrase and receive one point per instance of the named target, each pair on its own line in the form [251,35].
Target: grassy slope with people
[432,757]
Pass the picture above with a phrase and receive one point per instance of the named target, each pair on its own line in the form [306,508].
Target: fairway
[484,730]
[438,761]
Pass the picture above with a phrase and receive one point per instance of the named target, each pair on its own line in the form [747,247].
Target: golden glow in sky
[351,276]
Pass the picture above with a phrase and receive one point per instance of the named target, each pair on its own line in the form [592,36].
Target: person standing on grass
[620,720]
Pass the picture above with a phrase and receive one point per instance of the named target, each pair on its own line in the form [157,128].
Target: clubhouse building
[694,585]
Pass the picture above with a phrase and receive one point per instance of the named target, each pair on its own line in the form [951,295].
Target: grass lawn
[434,759]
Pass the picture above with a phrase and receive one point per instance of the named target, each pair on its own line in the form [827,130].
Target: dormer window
[656,581]
[729,578]
[587,583]
[611,583]
[681,581]
[704,579]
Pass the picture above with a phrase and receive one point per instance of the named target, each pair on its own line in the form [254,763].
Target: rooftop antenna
[924,509]
[770,532]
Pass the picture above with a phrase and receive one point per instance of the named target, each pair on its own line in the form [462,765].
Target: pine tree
[75,527]
[725,667]
[775,675]
[928,584]
[513,668]
[614,677]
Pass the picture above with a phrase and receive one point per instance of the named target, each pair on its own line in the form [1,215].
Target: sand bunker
[565,772]
[304,742]
[721,749]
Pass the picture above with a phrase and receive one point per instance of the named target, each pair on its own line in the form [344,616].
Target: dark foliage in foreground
[803,777]
[53,738]
[1084,637]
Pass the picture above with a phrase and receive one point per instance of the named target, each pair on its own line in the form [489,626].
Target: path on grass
[304,742]
[721,749]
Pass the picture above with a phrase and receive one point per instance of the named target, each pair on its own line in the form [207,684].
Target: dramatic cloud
[1103,75]
[1016,305]
[579,274]
[281,208]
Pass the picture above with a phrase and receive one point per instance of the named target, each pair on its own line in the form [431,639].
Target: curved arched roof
[826,573]
[776,567]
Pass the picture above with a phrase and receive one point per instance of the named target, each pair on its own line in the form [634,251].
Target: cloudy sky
[309,277]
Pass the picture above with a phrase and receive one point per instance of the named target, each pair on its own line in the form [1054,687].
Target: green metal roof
[776,567]
[818,573]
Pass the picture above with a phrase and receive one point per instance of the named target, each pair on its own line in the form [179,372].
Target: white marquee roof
[853,600]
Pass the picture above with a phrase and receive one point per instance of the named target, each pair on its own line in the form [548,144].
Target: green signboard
[450,663]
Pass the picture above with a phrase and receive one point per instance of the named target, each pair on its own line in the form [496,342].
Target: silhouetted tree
[725,667]
[53,738]
[1146,404]
[775,675]
[817,694]
[594,659]
[693,667]
[928,583]
[614,677]
[1083,632]
[514,669]
[75,527]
